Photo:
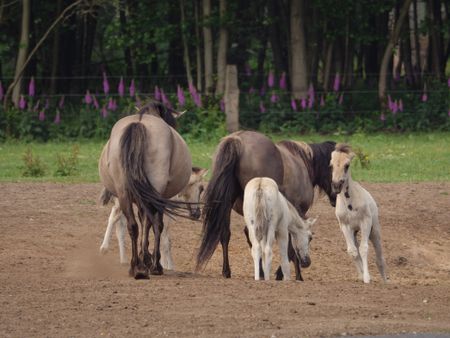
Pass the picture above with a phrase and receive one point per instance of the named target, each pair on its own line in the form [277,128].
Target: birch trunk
[222,52]
[208,47]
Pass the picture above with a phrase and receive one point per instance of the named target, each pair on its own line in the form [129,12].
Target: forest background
[70,69]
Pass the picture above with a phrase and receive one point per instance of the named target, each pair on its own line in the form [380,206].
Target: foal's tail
[220,195]
[139,190]
[261,217]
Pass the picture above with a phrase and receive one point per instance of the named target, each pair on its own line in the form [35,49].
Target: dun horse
[146,162]
[270,216]
[356,210]
[191,194]
[296,167]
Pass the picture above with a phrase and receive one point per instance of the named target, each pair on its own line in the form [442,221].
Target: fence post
[231,99]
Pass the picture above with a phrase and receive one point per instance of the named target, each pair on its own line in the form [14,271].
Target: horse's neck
[350,188]
[291,216]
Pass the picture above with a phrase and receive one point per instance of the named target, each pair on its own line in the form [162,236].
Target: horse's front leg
[352,250]
[158,226]
[114,216]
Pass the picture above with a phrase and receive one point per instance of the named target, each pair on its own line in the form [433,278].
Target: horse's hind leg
[293,258]
[137,268]
[166,248]
[120,234]
[261,271]
[113,218]
[158,226]
[225,240]
[375,238]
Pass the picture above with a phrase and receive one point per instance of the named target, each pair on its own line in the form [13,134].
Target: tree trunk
[327,67]
[55,53]
[23,51]
[222,51]
[123,25]
[437,55]
[405,51]
[187,61]
[417,66]
[208,47]
[198,48]
[388,54]
[299,76]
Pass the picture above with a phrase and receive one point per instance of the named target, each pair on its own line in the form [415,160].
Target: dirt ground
[54,282]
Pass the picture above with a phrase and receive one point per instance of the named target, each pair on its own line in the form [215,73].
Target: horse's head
[340,164]
[192,193]
[301,236]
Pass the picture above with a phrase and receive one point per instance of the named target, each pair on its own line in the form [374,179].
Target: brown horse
[146,162]
[296,167]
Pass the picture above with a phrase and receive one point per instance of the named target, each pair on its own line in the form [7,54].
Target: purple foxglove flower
[293,104]
[389,102]
[337,82]
[157,94]
[311,90]
[394,107]
[310,102]
[114,106]
[22,102]
[382,117]
[283,81]
[105,84]
[274,98]
[164,99]
[222,105]
[341,98]
[42,115]
[448,82]
[322,101]
[36,106]
[251,90]
[104,112]
[303,103]
[2,93]
[180,95]
[262,91]
[396,76]
[262,109]
[270,79]
[192,90]
[198,100]
[400,105]
[424,97]
[95,102]
[61,102]
[88,98]
[47,104]
[57,117]
[132,88]
[110,104]
[31,88]
[121,88]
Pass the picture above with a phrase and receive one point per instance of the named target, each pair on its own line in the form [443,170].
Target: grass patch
[392,157]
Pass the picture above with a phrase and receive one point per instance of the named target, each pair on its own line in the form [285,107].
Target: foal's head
[193,191]
[340,164]
[301,236]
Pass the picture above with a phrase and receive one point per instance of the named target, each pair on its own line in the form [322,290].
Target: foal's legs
[120,234]
[283,242]
[352,250]
[114,216]
[293,258]
[166,246]
[375,238]
[261,271]
[256,252]
[366,226]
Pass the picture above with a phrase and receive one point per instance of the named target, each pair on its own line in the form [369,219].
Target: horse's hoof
[157,272]
[279,274]
[226,274]
[141,275]
[103,250]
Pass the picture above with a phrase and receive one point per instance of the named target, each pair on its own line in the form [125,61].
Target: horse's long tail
[220,195]
[133,146]
[261,217]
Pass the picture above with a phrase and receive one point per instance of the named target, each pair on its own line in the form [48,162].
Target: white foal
[356,210]
[191,193]
[269,216]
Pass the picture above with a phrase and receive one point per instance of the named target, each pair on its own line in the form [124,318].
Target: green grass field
[393,157]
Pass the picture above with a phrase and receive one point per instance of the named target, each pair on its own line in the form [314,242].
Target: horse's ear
[352,154]
[203,172]
[311,220]
[177,114]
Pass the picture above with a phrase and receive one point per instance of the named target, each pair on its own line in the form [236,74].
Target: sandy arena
[54,282]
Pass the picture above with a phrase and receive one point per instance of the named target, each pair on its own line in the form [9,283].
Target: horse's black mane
[163,111]
[319,165]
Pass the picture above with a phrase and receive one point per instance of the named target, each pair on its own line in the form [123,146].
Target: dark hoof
[148,260]
[226,274]
[157,270]
[141,275]
[299,278]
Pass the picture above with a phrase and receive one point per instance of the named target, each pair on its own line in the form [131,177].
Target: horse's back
[167,158]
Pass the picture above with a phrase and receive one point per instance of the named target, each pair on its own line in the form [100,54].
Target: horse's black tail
[220,195]
[139,190]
